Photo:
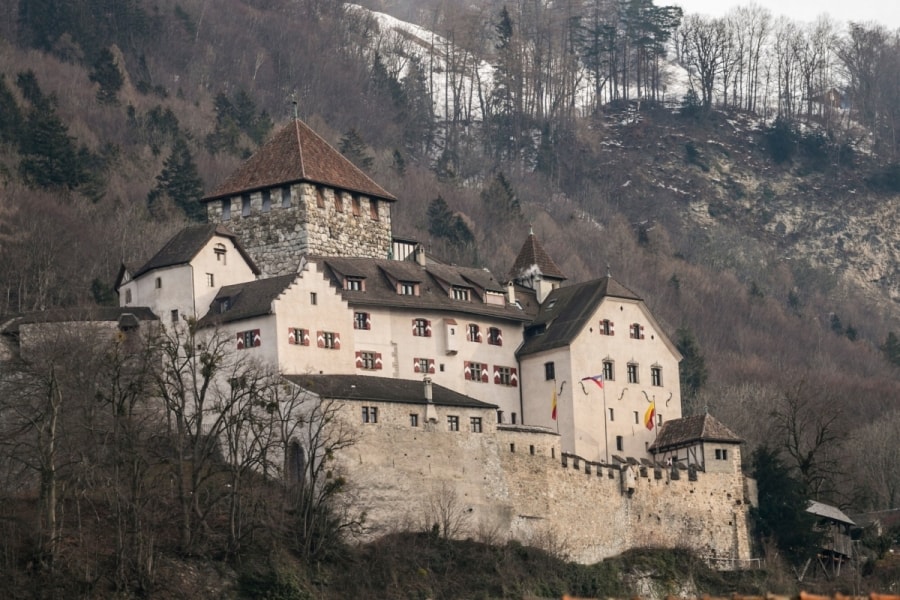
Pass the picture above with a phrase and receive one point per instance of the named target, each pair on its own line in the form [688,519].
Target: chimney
[420,255]
[511,292]
[431,417]
[428,394]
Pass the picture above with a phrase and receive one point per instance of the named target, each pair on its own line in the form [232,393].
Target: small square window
[475,424]
[460,293]
[361,320]
[473,333]
[453,423]
[313,298]
[354,284]
[367,360]
[549,371]
[406,288]
[158,283]
[175,316]
[495,336]
[370,414]
[210,280]
[414,419]
[328,340]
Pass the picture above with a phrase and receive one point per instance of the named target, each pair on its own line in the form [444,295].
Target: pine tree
[500,198]
[105,72]
[10,114]
[891,349]
[179,182]
[353,147]
[692,369]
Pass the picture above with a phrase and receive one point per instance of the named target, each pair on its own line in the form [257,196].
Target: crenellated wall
[515,483]
[319,220]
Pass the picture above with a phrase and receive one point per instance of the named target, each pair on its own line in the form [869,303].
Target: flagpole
[605,434]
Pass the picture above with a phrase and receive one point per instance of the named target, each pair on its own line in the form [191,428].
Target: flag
[649,415]
[598,379]
[553,413]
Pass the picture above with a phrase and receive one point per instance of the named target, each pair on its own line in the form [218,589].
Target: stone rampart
[515,483]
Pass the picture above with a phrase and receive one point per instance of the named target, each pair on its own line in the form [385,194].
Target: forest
[701,160]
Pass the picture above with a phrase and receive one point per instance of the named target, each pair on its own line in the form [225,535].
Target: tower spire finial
[294,102]
[608,271]
[530,229]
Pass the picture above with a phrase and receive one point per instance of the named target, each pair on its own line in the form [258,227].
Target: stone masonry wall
[277,238]
[403,476]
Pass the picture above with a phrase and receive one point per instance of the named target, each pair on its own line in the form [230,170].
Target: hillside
[777,256]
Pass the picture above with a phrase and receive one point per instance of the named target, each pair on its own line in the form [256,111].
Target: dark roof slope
[382,389]
[380,290]
[688,430]
[533,254]
[185,245]
[80,315]
[297,153]
[566,310]
[246,300]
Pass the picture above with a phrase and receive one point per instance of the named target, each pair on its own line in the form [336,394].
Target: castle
[540,409]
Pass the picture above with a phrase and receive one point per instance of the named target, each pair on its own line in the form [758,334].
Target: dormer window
[355,284]
[224,304]
[220,251]
[460,293]
[407,288]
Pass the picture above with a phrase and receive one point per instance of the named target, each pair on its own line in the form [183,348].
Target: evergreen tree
[353,147]
[444,223]
[891,349]
[500,198]
[179,182]
[418,124]
[782,515]
[692,369]
[10,114]
[105,72]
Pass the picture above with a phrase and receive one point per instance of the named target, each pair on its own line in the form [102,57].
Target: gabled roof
[297,153]
[380,291]
[682,432]
[247,300]
[566,311]
[533,255]
[185,245]
[382,389]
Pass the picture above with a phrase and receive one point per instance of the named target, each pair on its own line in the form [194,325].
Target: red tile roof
[297,153]
[531,254]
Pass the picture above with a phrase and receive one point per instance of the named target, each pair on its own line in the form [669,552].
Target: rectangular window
[266,201]
[421,328]
[354,205]
[286,197]
[373,209]
[453,423]
[500,416]
[460,293]
[612,414]
[549,371]
[632,373]
[473,333]
[245,205]
[423,365]
[367,360]
[721,454]
[637,418]
[297,336]
[406,288]
[495,336]
[606,327]
[656,376]
[476,371]
[504,375]
[226,209]
[157,283]
[328,340]
[620,443]
[248,339]
[659,419]
[636,331]
[512,418]
[354,284]
[210,280]
[608,372]
[338,202]
[175,316]
[414,419]
[313,298]
[320,197]
[128,296]
[370,414]
[475,424]
[361,320]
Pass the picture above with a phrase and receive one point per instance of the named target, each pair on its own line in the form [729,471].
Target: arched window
[296,463]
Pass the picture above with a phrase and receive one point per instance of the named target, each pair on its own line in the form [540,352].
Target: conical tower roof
[297,153]
[533,255]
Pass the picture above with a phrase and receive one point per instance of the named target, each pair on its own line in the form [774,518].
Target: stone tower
[298,195]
